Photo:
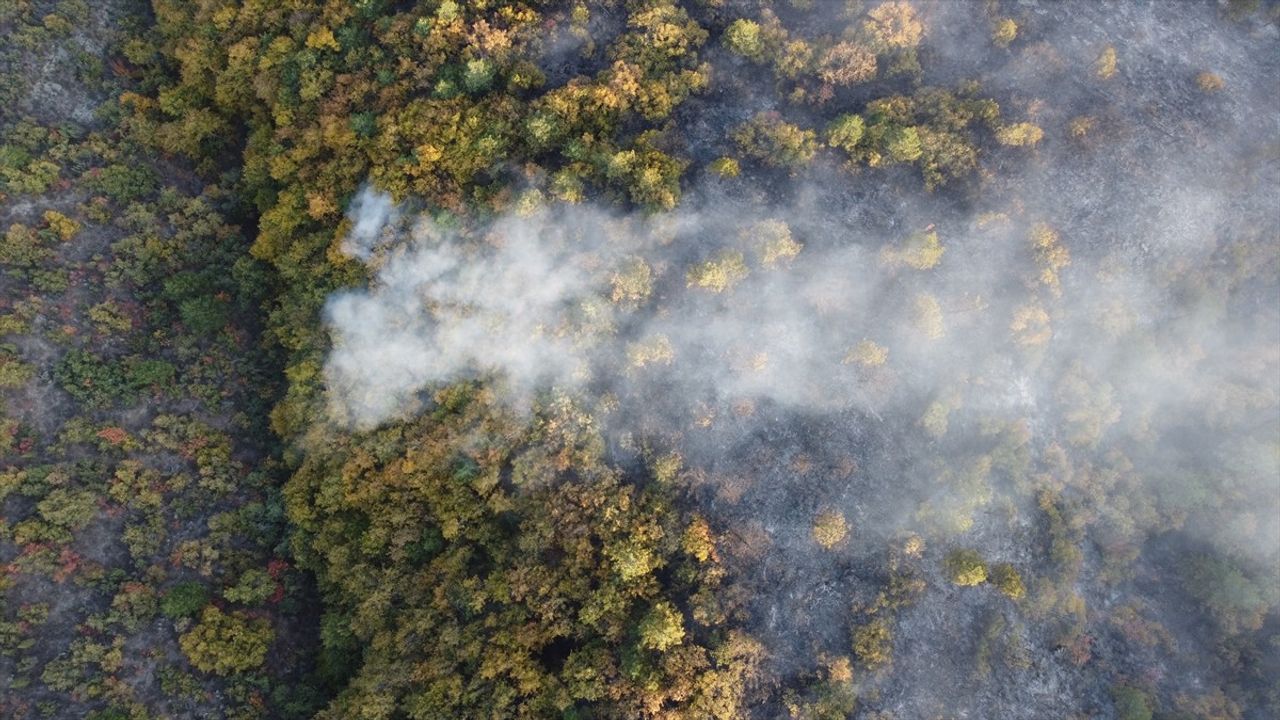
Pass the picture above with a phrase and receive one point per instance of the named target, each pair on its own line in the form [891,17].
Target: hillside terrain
[639,359]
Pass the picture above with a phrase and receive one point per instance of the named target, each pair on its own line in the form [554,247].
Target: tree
[698,540]
[920,251]
[63,226]
[23,246]
[873,643]
[902,144]
[184,599]
[632,283]
[254,586]
[13,372]
[845,132]
[1234,600]
[656,350]
[829,528]
[769,139]
[1105,66]
[743,37]
[927,314]
[650,176]
[1089,406]
[1008,581]
[1209,82]
[660,35]
[847,63]
[1051,257]
[1022,134]
[720,273]
[725,167]
[1003,32]
[935,418]
[224,643]
[661,628]
[774,239]
[1030,326]
[1131,703]
[893,25]
[868,354]
[965,568]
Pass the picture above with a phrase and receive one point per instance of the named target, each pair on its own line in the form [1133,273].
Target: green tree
[1235,600]
[223,643]
[720,273]
[965,568]
[184,599]
[845,132]
[662,627]
[13,372]
[743,37]
[1003,32]
[1020,134]
[1131,703]
[769,139]
[829,528]
[254,586]
[873,643]
[1007,580]
[893,25]
[847,63]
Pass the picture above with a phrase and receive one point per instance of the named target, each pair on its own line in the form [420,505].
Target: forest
[639,359]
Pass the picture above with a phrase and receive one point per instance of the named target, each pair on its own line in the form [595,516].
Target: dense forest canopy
[639,359]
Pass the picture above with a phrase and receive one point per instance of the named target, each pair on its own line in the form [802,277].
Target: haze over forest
[640,359]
